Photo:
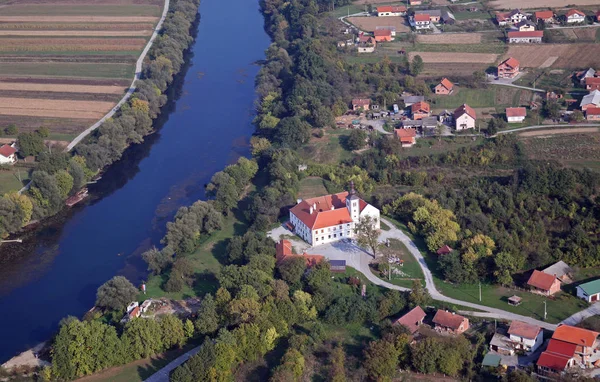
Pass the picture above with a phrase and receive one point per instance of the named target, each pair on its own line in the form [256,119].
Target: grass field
[411,269]
[9,180]
[492,97]
[311,186]
[328,149]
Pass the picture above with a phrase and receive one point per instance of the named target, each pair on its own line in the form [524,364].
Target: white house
[464,117]
[330,218]
[530,37]
[8,154]
[515,114]
[590,292]
[525,336]
[387,10]
[421,21]
[574,16]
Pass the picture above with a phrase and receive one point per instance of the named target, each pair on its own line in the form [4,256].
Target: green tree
[208,318]
[337,370]
[416,65]
[357,139]
[293,132]
[30,144]
[158,260]
[116,293]
[172,331]
[367,233]
[381,360]
[577,116]
[142,338]
[418,295]
[64,181]
[12,130]
[188,329]
[43,132]
[292,269]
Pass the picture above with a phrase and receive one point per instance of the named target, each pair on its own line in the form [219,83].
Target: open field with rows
[567,55]
[65,63]
[526,4]
[369,24]
[437,58]
[457,38]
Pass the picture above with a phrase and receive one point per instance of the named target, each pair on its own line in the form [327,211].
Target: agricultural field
[442,57]
[561,55]
[490,100]
[64,63]
[456,38]
[528,4]
[369,24]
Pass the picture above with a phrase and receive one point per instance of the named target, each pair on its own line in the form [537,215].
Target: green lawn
[347,9]
[433,145]
[311,186]
[498,48]
[410,270]
[9,180]
[328,149]
[472,97]
[47,69]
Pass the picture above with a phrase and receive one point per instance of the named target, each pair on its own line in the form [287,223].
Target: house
[434,14]
[145,305]
[464,117]
[407,137]
[447,17]
[410,100]
[592,114]
[423,123]
[450,322]
[557,357]
[590,100]
[135,313]
[445,87]
[421,21]
[525,336]
[382,35]
[8,154]
[581,76]
[501,343]
[361,104]
[546,16]
[585,341]
[390,28]
[513,17]
[561,271]
[337,265]
[330,218]
[525,26]
[589,291]
[574,16]
[515,114]
[543,283]
[592,83]
[131,306]
[391,11]
[366,44]
[412,320]
[420,110]
[444,250]
[284,251]
[508,68]
[415,2]
[534,37]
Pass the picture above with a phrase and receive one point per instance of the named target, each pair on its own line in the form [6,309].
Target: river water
[205,126]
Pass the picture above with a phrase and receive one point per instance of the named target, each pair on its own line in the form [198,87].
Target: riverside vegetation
[505,214]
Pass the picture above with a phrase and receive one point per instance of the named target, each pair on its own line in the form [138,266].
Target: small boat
[78,197]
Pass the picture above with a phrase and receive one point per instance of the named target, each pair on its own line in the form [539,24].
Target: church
[330,218]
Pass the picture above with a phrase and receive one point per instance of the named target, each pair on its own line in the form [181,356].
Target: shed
[560,270]
[514,300]
[590,291]
[491,360]
[337,265]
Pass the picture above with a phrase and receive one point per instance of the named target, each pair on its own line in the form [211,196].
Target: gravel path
[163,374]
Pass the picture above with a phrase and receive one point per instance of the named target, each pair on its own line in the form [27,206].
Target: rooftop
[553,361]
[560,268]
[412,318]
[544,14]
[541,280]
[465,109]
[523,329]
[539,34]
[591,287]
[512,62]
[383,32]
[421,105]
[592,98]
[400,133]
[575,335]
[7,150]
[561,347]
[444,250]
[327,211]
[446,83]
[593,111]
[572,12]
[516,112]
[421,17]
[447,319]
[361,101]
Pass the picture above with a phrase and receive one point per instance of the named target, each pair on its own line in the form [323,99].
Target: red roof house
[543,283]
[360,103]
[585,340]
[524,330]
[406,136]
[444,250]
[547,16]
[420,110]
[7,154]
[389,10]
[550,364]
[283,250]
[515,114]
[508,68]
[450,322]
[592,114]
[382,35]
[592,83]
[412,319]
[422,17]
[445,87]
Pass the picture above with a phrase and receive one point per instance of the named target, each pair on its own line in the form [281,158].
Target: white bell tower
[352,203]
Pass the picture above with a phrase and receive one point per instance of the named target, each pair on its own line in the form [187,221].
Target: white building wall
[5,160]
[369,210]
[515,119]
[334,233]
[529,344]
[575,19]
[466,120]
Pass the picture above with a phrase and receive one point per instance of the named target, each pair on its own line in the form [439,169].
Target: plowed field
[569,55]
[61,88]
[525,4]
[74,33]
[458,38]
[78,19]
[369,24]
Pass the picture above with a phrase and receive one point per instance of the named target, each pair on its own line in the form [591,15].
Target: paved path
[592,310]
[129,93]
[163,374]
[517,86]
[566,125]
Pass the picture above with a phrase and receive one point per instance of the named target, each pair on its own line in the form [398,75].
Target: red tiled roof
[592,80]
[512,62]
[405,133]
[526,34]
[562,348]
[465,109]
[361,101]
[134,312]
[574,335]
[393,9]
[541,280]
[448,320]
[544,15]
[324,215]
[446,83]
[516,112]
[593,111]
[283,248]
[553,361]
[367,39]
[500,16]
[444,250]
[523,329]
[572,12]
[412,318]
[420,106]
[7,151]
[383,32]
[422,17]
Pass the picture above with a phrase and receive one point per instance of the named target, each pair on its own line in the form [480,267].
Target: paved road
[592,310]
[129,93]
[565,125]
[163,374]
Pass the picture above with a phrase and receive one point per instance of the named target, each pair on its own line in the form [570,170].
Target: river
[205,126]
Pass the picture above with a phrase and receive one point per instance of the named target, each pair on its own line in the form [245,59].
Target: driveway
[592,310]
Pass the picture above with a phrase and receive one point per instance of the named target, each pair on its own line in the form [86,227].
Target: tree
[64,181]
[158,260]
[172,331]
[337,370]
[142,338]
[357,139]
[367,233]
[291,367]
[116,293]
[43,132]
[293,132]
[30,144]
[416,66]
[381,360]
[12,130]
[208,318]
[23,202]
[292,269]
[551,109]
[577,116]
[418,295]
[494,125]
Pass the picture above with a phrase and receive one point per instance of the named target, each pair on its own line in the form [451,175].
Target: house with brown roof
[508,68]
[412,320]
[382,35]
[525,26]
[546,16]
[420,21]
[585,341]
[531,37]
[574,16]
[448,322]
[593,114]
[420,110]
[407,137]
[444,250]
[415,2]
[445,87]
[366,44]
[388,10]
[525,336]
[8,154]
[330,218]
[515,114]
[361,104]
[592,83]
[543,283]
[464,117]
[557,357]
[513,17]
[284,252]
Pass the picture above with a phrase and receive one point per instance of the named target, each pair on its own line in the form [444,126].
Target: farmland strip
[81,9]
[58,88]
[52,113]
[458,38]
[18,42]
[67,70]
[71,48]
[62,96]
[76,26]
[124,83]
[49,104]
[75,19]
[53,33]
[64,125]
[429,57]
